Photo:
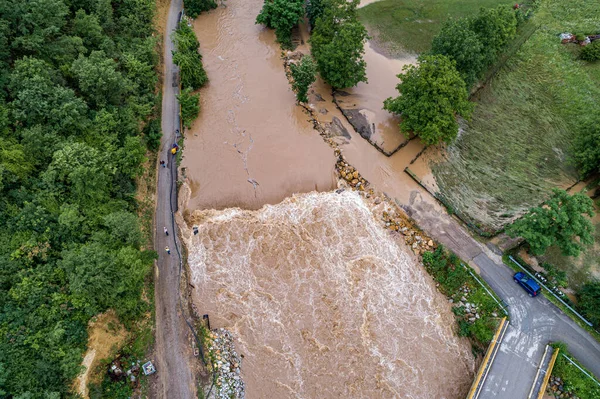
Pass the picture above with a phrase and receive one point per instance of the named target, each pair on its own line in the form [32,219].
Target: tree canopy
[587,146]
[187,57]
[563,220]
[337,44]
[197,7]
[281,15]
[432,94]
[475,42]
[77,85]
[304,74]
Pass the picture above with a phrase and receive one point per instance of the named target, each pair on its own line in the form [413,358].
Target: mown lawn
[406,26]
[517,145]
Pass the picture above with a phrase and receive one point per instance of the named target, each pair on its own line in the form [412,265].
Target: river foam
[324,302]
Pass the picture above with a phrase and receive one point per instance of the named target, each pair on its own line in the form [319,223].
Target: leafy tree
[197,7]
[37,99]
[338,45]
[432,93]
[99,80]
[304,75]
[563,221]
[190,106]
[458,42]
[591,52]
[587,146]
[188,58]
[314,9]
[87,27]
[495,28]
[281,15]
[588,300]
[37,23]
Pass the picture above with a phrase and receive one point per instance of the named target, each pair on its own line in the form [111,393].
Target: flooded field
[325,302]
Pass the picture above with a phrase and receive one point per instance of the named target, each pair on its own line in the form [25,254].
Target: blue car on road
[527,283]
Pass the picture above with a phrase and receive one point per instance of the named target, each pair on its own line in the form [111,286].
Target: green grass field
[517,145]
[405,26]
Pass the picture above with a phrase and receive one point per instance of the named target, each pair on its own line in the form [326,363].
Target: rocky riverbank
[226,363]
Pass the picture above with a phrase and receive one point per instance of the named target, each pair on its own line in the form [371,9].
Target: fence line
[488,291]
[582,370]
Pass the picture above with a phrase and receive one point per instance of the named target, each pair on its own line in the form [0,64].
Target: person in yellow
[174,150]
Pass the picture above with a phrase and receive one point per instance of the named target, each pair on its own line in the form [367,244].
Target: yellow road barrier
[548,372]
[486,360]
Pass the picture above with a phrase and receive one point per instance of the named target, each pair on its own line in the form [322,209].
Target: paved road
[533,321]
[173,353]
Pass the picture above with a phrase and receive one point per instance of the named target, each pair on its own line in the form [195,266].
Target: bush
[591,52]
[153,133]
[588,298]
[304,75]
[187,57]
[196,7]
[190,106]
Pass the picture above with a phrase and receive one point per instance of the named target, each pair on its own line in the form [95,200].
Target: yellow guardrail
[486,360]
[548,372]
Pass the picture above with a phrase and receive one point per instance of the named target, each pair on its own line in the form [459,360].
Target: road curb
[490,355]
[548,372]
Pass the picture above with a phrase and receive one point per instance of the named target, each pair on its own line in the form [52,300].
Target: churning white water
[325,302]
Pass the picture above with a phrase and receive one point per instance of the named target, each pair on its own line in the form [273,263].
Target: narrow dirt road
[173,353]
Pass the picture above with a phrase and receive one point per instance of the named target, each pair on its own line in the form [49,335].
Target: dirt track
[174,358]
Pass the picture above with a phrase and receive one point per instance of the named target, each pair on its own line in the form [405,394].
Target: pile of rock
[350,174]
[471,310]
[556,389]
[226,365]
[415,238]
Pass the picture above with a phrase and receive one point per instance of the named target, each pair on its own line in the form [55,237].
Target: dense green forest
[77,86]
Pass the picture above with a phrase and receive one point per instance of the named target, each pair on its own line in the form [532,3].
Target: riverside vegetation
[193,76]
[78,84]
[567,381]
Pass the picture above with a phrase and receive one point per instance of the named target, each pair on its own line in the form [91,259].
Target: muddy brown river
[322,300]
[325,303]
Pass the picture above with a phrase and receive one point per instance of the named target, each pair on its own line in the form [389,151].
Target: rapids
[325,303]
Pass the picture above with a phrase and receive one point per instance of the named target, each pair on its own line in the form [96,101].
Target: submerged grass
[517,145]
[402,26]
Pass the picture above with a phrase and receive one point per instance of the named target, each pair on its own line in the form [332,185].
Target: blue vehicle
[527,283]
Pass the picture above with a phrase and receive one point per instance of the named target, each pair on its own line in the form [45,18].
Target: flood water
[322,300]
[325,303]
[251,144]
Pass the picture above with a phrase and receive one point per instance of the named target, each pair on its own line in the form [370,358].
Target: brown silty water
[251,144]
[325,302]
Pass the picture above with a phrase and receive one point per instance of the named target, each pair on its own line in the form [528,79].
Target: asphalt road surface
[533,321]
[174,356]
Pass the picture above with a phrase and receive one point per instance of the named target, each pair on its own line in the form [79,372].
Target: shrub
[304,74]
[591,52]
[589,301]
[190,106]
[196,7]
[187,57]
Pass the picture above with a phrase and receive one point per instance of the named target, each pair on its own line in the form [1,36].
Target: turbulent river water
[323,301]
